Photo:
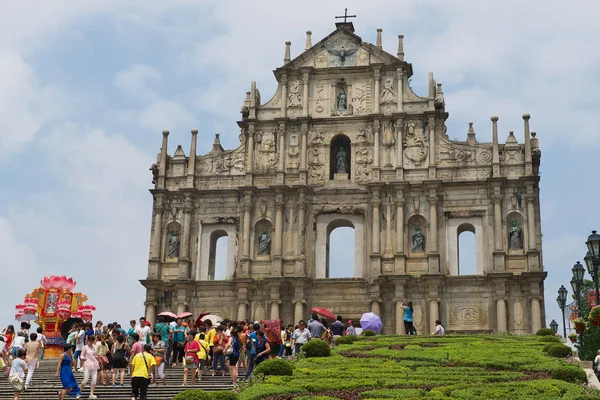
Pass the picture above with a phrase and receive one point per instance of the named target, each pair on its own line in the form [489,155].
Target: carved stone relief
[361,98]
[355,308]
[468,315]
[266,155]
[317,137]
[415,145]
[316,170]
[293,150]
[388,95]
[365,135]
[294,99]
[321,98]
[364,164]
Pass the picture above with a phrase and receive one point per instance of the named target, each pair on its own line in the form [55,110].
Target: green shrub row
[195,394]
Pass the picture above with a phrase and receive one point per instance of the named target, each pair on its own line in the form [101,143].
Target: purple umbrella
[370,321]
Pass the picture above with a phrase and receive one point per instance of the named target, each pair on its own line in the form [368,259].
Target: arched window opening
[340,250]
[467,250]
[217,262]
[340,160]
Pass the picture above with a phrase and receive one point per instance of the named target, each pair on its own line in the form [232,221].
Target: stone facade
[346,142]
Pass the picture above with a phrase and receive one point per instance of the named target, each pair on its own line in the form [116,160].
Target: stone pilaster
[298,310]
[305,79]
[434,313]
[376,97]
[400,267]
[250,153]
[184,254]
[434,258]
[531,219]
[277,242]
[400,96]
[283,82]
[247,206]
[432,147]
[399,141]
[300,253]
[399,298]
[303,144]
[375,232]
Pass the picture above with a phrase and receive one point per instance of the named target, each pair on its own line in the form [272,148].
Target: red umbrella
[323,312]
[199,321]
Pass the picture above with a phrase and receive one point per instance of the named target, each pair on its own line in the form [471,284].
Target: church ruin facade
[345,142]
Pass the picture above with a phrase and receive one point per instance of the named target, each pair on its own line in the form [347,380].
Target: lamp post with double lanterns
[576,283]
[592,260]
[562,302]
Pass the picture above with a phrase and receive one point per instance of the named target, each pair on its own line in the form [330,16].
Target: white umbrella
[27,317]
[213,318]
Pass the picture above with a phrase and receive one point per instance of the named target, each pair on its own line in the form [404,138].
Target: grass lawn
[432,367]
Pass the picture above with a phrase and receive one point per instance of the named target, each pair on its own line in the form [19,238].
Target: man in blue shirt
[252,340]
[337,328]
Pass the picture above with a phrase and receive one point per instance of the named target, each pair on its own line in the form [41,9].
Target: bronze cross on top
[345,16]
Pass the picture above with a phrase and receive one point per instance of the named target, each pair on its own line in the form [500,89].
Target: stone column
[303,133]
[247,222]
[434,314]
[275,309]
[281,147]
[399,223]
[432,146]
[433,231]
[531,220]
[241,311]
[400,98]
[376,128]
[250,147]
[375,225]
[300,252]
[180,307]
[305,95]
[399,141]
[284,99]
[375,309]
[376,98]
[536,316]
[501,315]
[157,230]
[151,312]
[298,310]
[185,240]
[278,227]
[497,198]
[400,330]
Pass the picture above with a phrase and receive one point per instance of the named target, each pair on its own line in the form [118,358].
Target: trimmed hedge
[368,332]
[343,340]
[316,348]
[193,395]
[547,346]
[569,373]
[545,332]
[559,351]
[549,339]
[275,366]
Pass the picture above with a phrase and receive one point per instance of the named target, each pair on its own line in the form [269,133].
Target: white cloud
[138,81]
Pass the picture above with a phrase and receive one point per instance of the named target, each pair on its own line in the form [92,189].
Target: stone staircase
[45,385]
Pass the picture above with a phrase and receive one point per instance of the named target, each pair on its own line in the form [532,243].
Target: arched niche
[327,223]
[515,226]
[333,225]
[417,223]
[207,248]
[262,227]
[172,242]
[340,143]
[456,226]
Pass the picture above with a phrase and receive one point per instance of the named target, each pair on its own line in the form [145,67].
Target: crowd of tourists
[105,354]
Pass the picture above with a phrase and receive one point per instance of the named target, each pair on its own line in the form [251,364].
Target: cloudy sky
[87,87]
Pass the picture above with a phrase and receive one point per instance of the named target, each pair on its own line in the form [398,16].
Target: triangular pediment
[341,48]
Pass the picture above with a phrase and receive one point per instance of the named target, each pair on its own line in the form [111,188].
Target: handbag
[147,367]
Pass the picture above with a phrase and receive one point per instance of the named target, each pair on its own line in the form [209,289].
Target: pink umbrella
[167,314]
[185,314]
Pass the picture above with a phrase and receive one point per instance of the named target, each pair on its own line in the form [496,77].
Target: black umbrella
[67,325]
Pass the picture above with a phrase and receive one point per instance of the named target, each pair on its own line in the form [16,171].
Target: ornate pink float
[50,305]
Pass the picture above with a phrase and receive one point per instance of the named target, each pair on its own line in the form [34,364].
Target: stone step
[44,385]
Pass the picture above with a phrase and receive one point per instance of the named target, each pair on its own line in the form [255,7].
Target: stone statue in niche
[294,150]
[173,249]
[388,141]
[342,100]
[388,95]
[264,243]
[418,240]
[515,237]
[294,99]
[342,162]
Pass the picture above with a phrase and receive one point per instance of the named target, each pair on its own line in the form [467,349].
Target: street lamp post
[554,326]
[592,260]
[576,282]
[562,302]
